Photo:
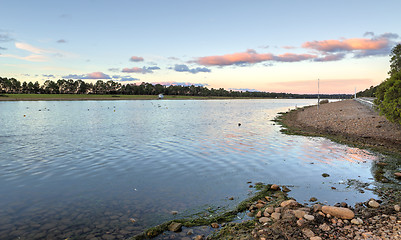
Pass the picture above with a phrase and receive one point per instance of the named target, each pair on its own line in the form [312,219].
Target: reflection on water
[84,169]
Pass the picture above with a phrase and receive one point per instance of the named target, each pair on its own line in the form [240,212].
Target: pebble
[356,221]
[373,204]
[308,233]
[276,216]
[214,225]
[397,174]
[174,212]
[175,227]
[290,202]
[275,187]
[316,238]
[397,208]
[312,199]
[190,232]
[309,217]
[264,220]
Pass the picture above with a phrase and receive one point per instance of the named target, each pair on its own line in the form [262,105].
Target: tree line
[388,93]
[62,86]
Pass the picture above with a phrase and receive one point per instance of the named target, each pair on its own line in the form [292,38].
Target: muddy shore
[348,122]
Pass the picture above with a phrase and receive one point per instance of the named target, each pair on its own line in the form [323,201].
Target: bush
[388,98]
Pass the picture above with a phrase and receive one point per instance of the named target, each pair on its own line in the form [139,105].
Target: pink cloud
[327,86]
[250,56]
[291,57]
[97,75]
[347,44]
[136,59]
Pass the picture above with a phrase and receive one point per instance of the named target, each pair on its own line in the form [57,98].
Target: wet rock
[312,199]
[356,221]
[373,204]
[339,212]
[175,227]
[264,220]
[308,233]
[190,232]
[276,216]
[291,203]
[214,225]
[199,237]
[285,189]
[259,205]
[317,207]
[309,217]
[275,187]
[259,214]
[231,198]
[325,175]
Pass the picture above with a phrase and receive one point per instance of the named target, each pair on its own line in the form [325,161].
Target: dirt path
[348,121]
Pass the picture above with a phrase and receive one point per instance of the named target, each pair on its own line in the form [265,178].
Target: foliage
[369,92]
[388,97]
[395,61]
[70,86]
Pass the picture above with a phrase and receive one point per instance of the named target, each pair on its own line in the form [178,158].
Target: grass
[69,97]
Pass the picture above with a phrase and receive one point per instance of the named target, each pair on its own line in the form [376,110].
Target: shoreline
[348,122]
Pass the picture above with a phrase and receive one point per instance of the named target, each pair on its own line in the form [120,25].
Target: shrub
[388,98]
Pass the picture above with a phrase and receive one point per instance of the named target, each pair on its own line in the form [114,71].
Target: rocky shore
[345,121]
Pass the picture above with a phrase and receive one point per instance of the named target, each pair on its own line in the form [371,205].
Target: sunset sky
[274,46]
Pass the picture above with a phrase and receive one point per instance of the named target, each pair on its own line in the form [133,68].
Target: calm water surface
[83,169]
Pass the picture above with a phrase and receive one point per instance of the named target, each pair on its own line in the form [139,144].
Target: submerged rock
[175,227]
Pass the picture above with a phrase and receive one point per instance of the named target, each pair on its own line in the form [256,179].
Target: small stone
[285,189]
[214,225]
[325,175]
[356,221]
[397,174]
[174,212]
[299,213]
[339,212]
[190,232]
[325,227]
[231,198]
[264,220]
[382,164]
[312,199]
[276,216]
[308,233]
[275,187]
[199,237]
[317,207]
[373,204]
[268,198]
[315,238]
[301,222]
[259,214]
[249,214]
[393,218]
[269,210]
[397,208]
[309,217]
[259,205]
[367,235]
[175,227]
[290,202]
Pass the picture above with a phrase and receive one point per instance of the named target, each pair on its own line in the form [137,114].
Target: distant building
[161,96]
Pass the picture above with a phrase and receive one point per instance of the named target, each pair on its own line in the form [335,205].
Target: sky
[272,46]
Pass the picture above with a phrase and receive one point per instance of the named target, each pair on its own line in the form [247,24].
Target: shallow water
[82,169]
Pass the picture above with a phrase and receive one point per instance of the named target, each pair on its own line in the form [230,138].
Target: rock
[290,203]
[325,175]
[339,212]
[259,205]
[382,164]
[190,232]
[356,221]
[317,207]
[268,198]
[199,237]
[175,227]
[325,227]
[276,216]
[285,189]
[249,214]
[315,238]
[259,214]
[275,187]
[301,222]
[309,217]
[312,199]
[397,208]
[343,204]
[214,225]
[397,174]
[264,220]
[373,204]
[269,210]
[299,213]
[174,212]
[231,198]
[308,233]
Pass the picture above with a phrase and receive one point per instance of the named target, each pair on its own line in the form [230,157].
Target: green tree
[388,98]
[395,61]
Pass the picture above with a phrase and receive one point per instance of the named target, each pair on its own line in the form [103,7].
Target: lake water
[84,169]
